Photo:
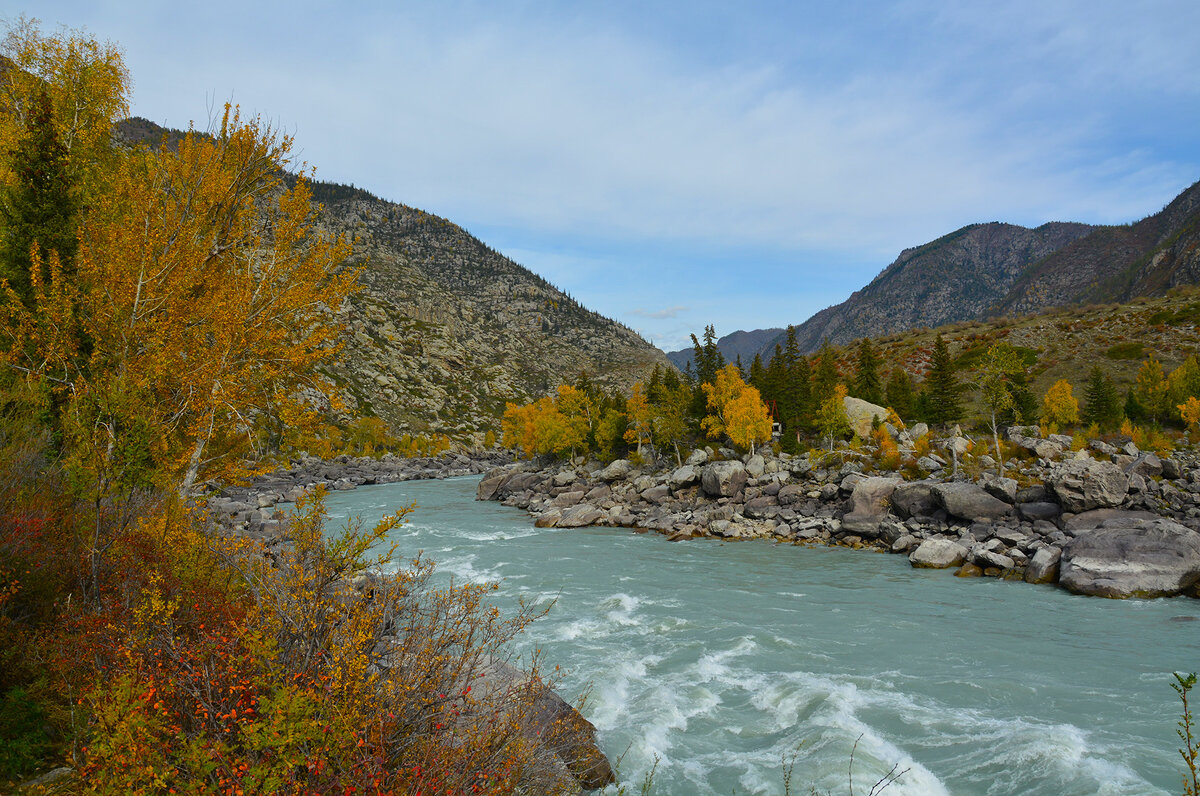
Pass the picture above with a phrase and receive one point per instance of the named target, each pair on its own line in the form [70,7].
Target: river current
[723,659]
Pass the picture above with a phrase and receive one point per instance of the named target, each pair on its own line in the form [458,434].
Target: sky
[678,164]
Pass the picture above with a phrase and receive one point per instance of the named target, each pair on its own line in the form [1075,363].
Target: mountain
[956,277]
[445,329]
[739,343]
[1116,263]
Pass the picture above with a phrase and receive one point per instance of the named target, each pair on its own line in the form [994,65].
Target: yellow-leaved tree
[737,409]
[640,418]
[1059,406]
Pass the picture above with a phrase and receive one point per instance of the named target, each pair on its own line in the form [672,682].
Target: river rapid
[721,660]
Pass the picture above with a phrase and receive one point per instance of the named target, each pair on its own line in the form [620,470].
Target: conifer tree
[1102,404]
[942,388]
[40,210]
[825,375]
[900,394]
[757,372]
[774,387]
[867,384]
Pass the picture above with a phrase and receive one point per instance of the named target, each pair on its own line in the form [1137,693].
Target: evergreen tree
[799,389]
[867,384]
[1102,403]
[757,372]
[741,368]
[40,206]
[709,360]
[774,388]
[900,394]
[942,389]
[825,375]
[1133,407]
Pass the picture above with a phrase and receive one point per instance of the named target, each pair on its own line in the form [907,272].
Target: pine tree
[40,208]
[942,388]
[757,372]
[1102,403]
[825,375]
[867,384]
[900,394]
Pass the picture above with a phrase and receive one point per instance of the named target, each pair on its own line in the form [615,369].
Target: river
[723,659]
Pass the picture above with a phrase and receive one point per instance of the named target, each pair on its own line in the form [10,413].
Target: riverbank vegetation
[163,315]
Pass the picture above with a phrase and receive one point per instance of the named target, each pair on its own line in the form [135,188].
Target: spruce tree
[942,389]
[825,375]
[1101,402]
[900,394]
[867,384]
[40,207]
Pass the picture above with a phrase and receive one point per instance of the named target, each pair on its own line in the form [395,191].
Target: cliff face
[446,330]
[956,277]
[1145,258]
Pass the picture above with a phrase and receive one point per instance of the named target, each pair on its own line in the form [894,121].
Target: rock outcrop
[1139,558]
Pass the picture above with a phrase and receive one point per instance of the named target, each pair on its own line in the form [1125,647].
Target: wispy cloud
[669,312]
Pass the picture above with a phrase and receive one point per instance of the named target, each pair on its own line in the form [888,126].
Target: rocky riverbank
[1108,519]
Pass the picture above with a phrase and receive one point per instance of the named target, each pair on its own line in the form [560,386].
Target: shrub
[1131,350]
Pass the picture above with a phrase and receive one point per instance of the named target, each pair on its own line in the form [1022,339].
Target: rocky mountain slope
[956,277]
[1145,258]
[739,343]
[446,329]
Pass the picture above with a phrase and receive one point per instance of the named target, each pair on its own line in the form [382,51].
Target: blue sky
[677,164]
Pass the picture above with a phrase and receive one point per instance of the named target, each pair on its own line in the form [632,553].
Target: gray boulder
[914,499]
[755,466]
[1085,484]
[616,471]
[1155,558]
[489,487]
[970,501]
[699,456]
[580,516]
[938,554]
[1043,567]
[1098,517]
[1147,465]
[723,479]
[1001,488]
[683,477]
[862,414]
[869,505]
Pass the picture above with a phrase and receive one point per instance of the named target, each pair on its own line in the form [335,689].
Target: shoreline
[1105,521]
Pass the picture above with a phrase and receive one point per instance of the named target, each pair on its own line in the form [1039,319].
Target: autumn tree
[867,383]
[746,419]
[726,386]
[640,418]
[1152,390]
[670,419]
[942,388]
[831,419]
[1000,365]
[1059,406]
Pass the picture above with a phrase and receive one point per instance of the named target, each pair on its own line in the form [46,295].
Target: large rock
[616,471]
[581,515]
[1085,484]
[755,466]
[1098,517]
[970,502]
[723,479]
[683,477]
[1043,567]
[914,499]
[1156,558]
[862,414]
[490,485]
[869,505]
[938,554]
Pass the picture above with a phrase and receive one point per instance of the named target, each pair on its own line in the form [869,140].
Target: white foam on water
[715,665]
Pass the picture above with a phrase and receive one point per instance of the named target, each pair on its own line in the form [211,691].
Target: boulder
[616,471]
[758,508]
[938,554]
[567,498]
[1039,510]
[1043,567]
[1147,465]
[1001,488]
[1097,517]
[914,499]
[869,505]
[862,414]
[755,466]
[699,456]
[580,516]
[991,558]
[1085,484]
[970,502]
[723,479]
[683,477]
[1145,558]
[489,487]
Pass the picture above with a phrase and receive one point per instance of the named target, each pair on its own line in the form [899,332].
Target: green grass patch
[1126,351]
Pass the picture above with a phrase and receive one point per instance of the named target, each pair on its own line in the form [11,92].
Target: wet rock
[938,554]
[1156,558]
[1085,484]
[1043,567]
[869,505]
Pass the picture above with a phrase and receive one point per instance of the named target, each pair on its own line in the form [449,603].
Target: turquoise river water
[720,659]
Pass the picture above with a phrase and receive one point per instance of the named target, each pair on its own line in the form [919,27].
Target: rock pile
[1107,520]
